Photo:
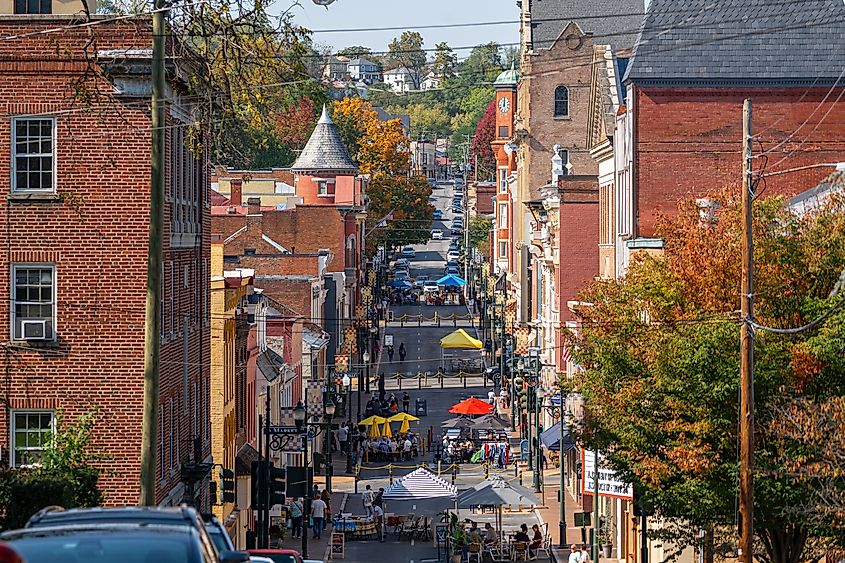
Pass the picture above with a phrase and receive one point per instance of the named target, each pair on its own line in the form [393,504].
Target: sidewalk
[317,549]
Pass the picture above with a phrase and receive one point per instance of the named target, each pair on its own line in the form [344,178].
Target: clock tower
[505,86]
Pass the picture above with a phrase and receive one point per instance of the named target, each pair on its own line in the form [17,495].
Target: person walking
[402,352]
[390,353]
[378,500]
[343,437]
[296,518]
[318,515]
[325,496]
[406,402]
[367,498]
[379,520]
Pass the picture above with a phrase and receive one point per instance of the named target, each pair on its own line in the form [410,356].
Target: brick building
[679,134]
[76,178]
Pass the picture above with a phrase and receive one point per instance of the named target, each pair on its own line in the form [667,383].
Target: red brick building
[76,179]
[679,134]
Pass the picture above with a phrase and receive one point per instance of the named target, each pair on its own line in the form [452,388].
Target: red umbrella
[472,406]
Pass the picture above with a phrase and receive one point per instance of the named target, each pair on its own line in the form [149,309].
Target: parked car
[436,234]
[153,515]
[453,270]
[453,255]
[429,285]
[409,252]
[278,555]
[453,245]
[459,188]
[402,263]
[438,215]
[218,534]
[457,222]
[457,209]
[109,541]
[402,276]
[456,231]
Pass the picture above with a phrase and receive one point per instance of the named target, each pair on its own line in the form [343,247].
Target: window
[33,154]
[503,215]
[564,158]
[171,315]
[503,180]
[503,250]
[186,179]
[561,101]
[34,295]
[172,424]
[325,187]
[31,431]
[33,7]
[161,310]
[504,131]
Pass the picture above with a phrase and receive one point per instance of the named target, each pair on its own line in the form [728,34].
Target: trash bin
[421,407]
[523,450]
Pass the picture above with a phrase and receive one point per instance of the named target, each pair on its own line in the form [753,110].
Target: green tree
[479,235]
[356,52]
[405,200]
[660,348]
[445,60]
[407,50]
[483,64]
[430,120]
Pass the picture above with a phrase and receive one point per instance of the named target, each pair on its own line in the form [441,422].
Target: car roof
[154,528]
[150,514]
[273,551]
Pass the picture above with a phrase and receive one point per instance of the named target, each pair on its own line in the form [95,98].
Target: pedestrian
[585,556]
[325,496]
[378,513]
[343,437]
[491,397]
[402,352]
[315,490]
[367,498]
[378,500]
[296,517]
[390,353]
[318,515]
[406,402]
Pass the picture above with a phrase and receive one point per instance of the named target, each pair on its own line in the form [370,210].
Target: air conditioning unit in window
[34,329]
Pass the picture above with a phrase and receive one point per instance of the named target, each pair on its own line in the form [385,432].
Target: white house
[431,82]
[362,69]
[401,79]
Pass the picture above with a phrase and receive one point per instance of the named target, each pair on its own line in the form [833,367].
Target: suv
[182,516]
[278,555]
[218,534]
[110,541]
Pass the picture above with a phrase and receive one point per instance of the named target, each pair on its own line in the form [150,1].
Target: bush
[23,492]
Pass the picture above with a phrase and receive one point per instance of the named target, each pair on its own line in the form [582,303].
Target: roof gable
[613,22]
[760,41]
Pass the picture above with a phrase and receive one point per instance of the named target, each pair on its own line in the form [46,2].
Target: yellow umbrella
[374,433]
[372,420]
[405,419]
[386,431]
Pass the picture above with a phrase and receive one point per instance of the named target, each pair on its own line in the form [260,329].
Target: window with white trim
[186,180]
[561,101]
[33,7]
[172,315]
[171,426]
[34,302]
[503,250]
[325,187]
[503,215]
[503,180]
[34,154]
[161,428]
[31,431]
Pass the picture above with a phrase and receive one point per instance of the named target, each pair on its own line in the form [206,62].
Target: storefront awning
[551,439]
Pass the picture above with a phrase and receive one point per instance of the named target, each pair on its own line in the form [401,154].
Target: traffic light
[227,479]
[277,485]
[255,474]
[212,492]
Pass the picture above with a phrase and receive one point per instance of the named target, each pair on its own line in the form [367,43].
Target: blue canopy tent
[551,439]
[451,280]
[397,283]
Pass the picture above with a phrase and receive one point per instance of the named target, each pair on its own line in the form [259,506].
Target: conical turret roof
[324,150]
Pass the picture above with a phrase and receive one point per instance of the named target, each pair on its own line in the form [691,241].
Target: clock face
[504,105]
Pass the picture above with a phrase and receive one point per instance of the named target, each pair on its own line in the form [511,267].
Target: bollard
[464,375]
[419,380]
[399,377]
[520,478]
[402,321]
[419,320]
[390,472]
[440,375]
[438,468]
[515,468]
[454,320]
[454,473]
[486,469]
[438,319]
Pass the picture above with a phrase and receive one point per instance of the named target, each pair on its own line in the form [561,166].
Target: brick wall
[96,236]
[689,142]
[578,238]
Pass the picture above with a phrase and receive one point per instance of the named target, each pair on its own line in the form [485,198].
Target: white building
[362,69]
[401,79]
[431,82]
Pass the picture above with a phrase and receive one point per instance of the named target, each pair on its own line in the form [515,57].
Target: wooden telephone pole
[746,411]
[152,320]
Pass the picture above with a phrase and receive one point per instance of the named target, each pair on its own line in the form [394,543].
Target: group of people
[373,502]
[402,353]
[456,451]
[578,554]
[320,513]
[403,446]
[534,542]
[388,405]
[489,537]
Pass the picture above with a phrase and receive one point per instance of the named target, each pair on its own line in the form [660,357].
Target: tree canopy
[407,50]
[660,349]
[480,147]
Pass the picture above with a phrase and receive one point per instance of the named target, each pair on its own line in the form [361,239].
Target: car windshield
[105,546]
[221,541]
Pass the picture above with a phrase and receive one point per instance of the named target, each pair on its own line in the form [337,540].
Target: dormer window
[325,187]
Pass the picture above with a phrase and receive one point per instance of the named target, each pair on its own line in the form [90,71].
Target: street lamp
[347,386]
[539,395]
[299,416]
[565,420]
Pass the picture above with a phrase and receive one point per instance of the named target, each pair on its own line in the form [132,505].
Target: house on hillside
[401,79]
[363,69]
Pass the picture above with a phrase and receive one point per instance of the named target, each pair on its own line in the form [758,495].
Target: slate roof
[741,40]
[613,22]
[324,150]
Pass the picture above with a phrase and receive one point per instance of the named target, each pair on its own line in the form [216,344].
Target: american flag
[565,354]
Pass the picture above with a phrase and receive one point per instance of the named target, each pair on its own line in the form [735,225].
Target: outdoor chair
[423,529]
[545,548]
[410,527]
[474,552]
[520,551]
[499,552]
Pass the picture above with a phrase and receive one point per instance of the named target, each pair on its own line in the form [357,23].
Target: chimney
[236,191]
[253,211]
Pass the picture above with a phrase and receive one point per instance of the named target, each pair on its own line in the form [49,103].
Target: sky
[405,14]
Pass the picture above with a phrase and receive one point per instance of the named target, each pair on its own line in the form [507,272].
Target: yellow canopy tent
[405,419]
[460,339]
[372,420]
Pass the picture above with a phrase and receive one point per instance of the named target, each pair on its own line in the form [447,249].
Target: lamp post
[302,427]
[330,409]
[565,419]
[347,385]
[539,395]
[366,357]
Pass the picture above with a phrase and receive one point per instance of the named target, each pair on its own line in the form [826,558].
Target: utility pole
[152,316]
[746,411]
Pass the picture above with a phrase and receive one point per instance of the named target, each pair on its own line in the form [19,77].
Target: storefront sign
[609,484]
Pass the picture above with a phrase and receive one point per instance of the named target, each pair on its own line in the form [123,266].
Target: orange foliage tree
[660,349]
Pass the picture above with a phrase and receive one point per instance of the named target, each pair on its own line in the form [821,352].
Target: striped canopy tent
[420,484]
